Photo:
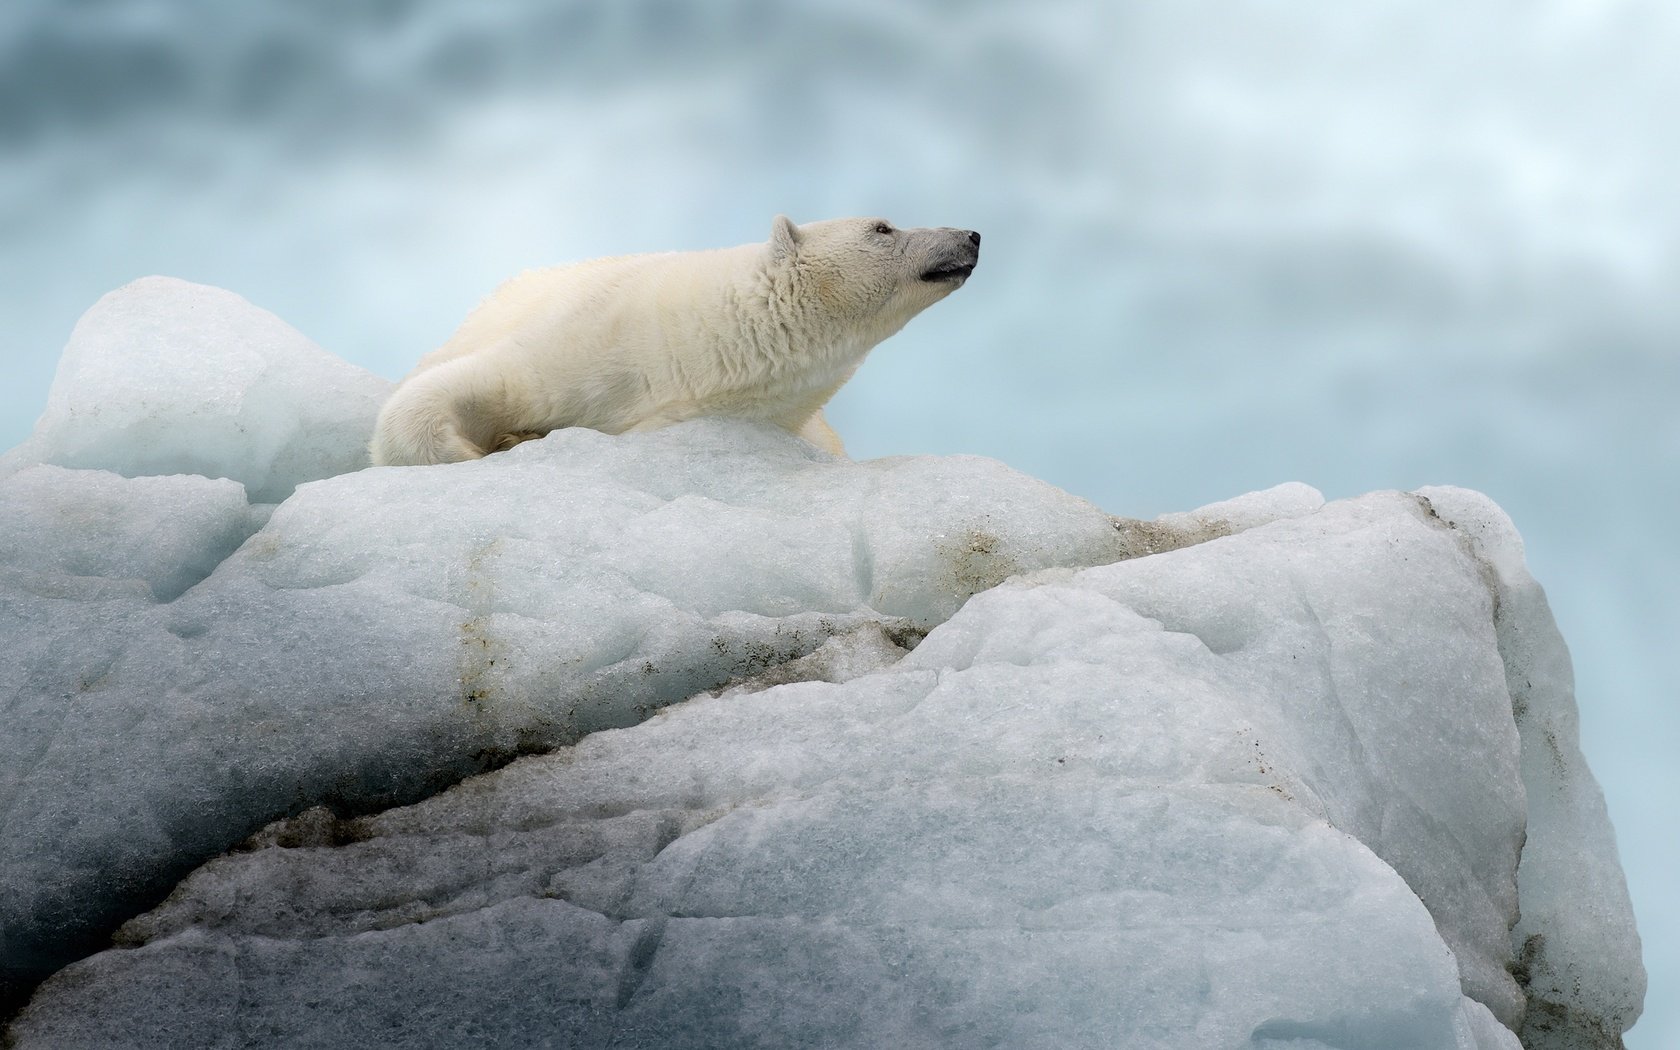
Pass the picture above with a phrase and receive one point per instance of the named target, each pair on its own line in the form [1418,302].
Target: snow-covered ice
[163,376]
[911,752]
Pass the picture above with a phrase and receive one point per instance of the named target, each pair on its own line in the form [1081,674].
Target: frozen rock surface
[908,753]
[163,376]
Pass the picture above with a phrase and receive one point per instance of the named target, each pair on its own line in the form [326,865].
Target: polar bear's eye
[883,227]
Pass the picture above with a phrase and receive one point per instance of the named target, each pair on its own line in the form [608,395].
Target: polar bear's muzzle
[949,273]
[953,256]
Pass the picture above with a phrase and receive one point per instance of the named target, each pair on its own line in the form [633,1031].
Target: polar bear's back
[588,294]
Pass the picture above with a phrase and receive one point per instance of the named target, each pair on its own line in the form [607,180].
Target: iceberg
[703,738]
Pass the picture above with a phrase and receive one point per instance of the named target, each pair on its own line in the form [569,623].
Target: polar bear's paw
[504,442]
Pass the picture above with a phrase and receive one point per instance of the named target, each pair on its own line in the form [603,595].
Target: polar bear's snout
[951,255]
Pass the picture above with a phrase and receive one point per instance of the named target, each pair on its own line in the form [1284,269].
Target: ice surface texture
[1267,786]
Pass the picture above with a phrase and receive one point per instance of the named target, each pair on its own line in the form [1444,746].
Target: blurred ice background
[1227,244]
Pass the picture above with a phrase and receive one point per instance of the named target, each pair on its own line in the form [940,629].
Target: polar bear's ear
[784,237]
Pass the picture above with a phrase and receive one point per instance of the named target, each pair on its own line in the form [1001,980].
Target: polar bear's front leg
[817,431]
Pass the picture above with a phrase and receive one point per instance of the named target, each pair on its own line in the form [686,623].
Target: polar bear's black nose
[974,238]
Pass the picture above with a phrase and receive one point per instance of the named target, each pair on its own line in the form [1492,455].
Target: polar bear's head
[869,274]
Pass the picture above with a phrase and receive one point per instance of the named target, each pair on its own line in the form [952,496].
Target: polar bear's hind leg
[435,417]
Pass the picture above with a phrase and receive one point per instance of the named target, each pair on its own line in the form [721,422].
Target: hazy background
[1226,244]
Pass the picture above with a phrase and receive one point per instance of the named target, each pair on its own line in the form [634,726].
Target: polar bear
[763,331]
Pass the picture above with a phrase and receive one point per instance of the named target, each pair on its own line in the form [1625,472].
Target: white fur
[763,331]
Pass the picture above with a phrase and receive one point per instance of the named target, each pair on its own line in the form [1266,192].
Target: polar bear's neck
[762,331]
[808,327]
[773,350]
